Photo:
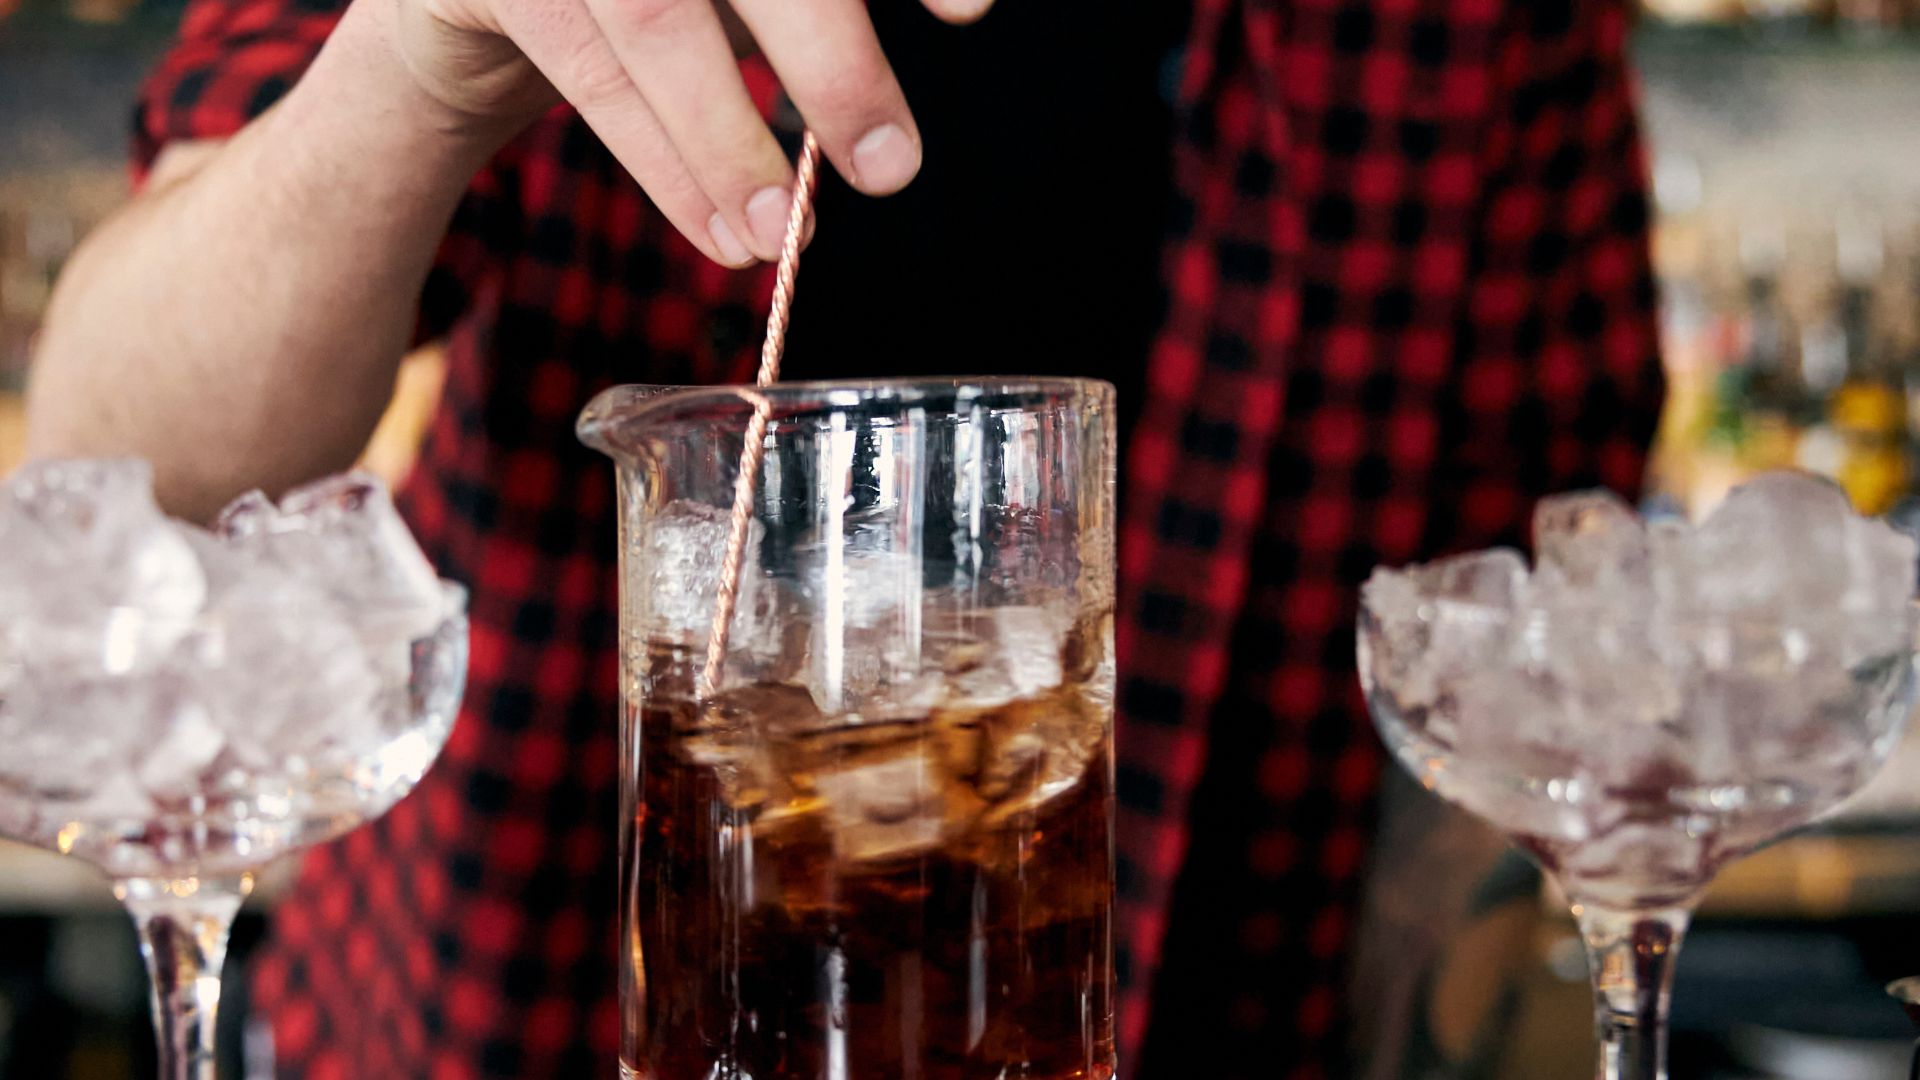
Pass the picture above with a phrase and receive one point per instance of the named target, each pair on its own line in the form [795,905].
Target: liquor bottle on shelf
[1788,17]
[1763,404]
[1792,341]
[1869,409]
[1868,414]
[1829,343]
[1696,451]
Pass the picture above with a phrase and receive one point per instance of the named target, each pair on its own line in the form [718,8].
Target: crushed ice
[138,653]
[1731,648]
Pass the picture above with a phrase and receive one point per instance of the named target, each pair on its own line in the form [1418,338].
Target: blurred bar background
[1786,138]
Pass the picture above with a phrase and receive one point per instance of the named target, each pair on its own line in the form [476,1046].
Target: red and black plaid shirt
[1407,293]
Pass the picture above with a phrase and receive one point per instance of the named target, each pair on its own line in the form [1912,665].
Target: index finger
[564,42]
[830,63]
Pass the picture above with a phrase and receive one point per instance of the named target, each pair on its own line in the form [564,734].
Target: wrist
[360,90]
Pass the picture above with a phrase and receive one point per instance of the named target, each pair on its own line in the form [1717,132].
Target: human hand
[658,82]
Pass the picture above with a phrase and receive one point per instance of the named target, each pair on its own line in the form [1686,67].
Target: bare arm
[241,322]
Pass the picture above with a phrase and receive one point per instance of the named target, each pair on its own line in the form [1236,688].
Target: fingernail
[767,211]
[885,160]
[967,10]
[728,242]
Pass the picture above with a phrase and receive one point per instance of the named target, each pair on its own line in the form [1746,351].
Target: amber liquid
[917,898]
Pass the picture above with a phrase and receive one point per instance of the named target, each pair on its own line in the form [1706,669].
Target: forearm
[242,327]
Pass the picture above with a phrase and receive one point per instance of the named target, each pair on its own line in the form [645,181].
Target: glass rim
[643,403]
[1581,612]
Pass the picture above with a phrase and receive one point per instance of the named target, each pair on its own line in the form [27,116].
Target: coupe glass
[877,840]
[135,763]
[1649,704]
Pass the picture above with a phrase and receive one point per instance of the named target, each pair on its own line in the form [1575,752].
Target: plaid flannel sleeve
[231,61]
[1408,295]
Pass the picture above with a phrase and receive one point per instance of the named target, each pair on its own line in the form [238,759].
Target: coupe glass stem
[1630,955]
[183,924]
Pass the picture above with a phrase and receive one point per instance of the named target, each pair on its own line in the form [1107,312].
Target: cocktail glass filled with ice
[1650,701]
[180,706]
[879,842]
